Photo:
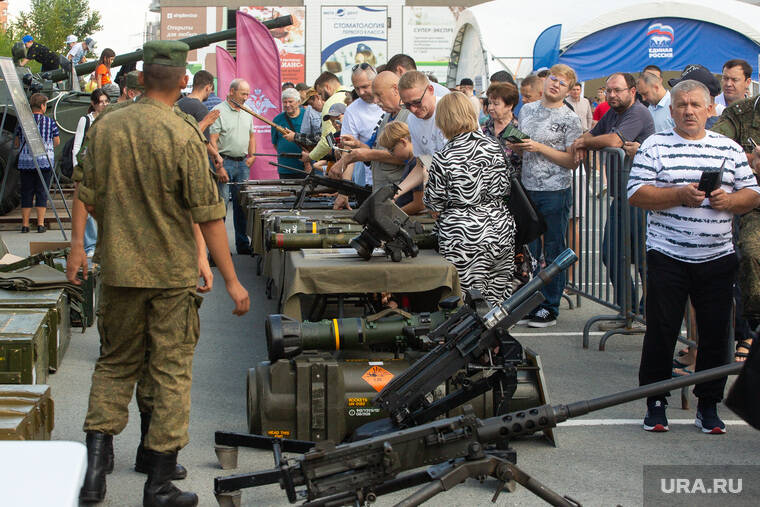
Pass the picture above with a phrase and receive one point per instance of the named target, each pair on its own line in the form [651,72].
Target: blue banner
[546,47]
[669,43]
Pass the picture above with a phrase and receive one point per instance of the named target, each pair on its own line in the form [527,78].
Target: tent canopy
[507,35]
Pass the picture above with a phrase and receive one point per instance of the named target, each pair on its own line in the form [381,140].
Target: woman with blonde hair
[468,184]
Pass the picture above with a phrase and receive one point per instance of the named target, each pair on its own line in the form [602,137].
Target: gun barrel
[195,42]
[296,241]
[286,338]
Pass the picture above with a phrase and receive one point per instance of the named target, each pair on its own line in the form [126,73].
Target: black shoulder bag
[529,221]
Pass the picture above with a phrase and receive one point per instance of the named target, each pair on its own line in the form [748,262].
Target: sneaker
[707,419]
[525,320]
[655,420]
[41,229]
[542,318]
[24,229]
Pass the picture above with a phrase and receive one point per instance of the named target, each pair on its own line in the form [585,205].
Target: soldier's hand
[205,274]
[77,259]
[222,176]
[691,196]
[239,296]
[341,202]
[720,200]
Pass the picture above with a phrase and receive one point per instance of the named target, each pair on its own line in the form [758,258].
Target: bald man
[385,167]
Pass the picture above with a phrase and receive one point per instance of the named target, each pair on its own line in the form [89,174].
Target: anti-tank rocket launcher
[356,473]
[296,241]
[393,330]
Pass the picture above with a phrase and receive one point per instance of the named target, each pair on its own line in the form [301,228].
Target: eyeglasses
[616,91]
[556,79]
[415,103]
[362,66]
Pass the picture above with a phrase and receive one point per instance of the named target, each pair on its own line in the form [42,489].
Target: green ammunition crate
[26,412]
[24,346]
[54,301]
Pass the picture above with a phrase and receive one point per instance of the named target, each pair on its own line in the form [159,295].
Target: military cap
[132,82]
[171,53]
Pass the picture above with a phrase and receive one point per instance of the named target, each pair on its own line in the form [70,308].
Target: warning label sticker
[279,433]
[377,377]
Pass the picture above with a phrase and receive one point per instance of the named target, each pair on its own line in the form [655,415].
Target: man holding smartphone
[690,252]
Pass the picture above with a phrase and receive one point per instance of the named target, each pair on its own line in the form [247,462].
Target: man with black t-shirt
[192,104]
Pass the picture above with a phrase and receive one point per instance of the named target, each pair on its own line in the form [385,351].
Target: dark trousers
[33,189]
[710,287]
[554,205]
[613,247]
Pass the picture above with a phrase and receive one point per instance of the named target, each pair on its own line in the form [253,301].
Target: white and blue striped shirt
[665,160]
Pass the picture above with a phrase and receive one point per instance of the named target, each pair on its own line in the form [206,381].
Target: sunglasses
[362,66]
[415,103]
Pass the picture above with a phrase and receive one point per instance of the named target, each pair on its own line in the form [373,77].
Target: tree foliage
[51,21]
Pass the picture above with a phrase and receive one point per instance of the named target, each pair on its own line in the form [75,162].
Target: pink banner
[258,62]
[226,69]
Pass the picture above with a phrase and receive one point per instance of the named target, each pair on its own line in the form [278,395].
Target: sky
[123,22]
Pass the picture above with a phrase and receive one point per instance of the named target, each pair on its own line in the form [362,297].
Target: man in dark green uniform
[741,122]
[145,206]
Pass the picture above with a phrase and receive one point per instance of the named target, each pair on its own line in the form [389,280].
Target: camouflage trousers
[749,264]
[131,322]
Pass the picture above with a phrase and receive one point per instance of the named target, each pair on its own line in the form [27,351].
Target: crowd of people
[450,152]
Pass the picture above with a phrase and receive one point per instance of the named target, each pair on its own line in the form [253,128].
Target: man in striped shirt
[689,248]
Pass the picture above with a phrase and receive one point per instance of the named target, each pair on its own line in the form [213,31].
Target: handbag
[529,221]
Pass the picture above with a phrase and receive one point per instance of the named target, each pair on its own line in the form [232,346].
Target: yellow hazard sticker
[278,433]
[358,402]
[377,377]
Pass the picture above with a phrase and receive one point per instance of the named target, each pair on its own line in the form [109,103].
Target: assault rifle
[356,473]
[312,180]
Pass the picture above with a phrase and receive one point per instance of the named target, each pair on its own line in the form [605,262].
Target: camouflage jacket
[740,121]
[144,168]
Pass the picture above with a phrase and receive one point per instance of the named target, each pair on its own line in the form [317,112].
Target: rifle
[357,473]
[312,180]
[283,131]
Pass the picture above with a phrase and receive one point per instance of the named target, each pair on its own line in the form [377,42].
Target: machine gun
[312,180]
[394,329]
[356,473]
[464,338]
[387,225]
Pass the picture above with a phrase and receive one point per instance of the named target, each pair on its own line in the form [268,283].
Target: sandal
[745,344]
[678,365]
[681,372]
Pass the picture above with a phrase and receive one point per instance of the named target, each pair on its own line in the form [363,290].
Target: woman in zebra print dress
[467,183]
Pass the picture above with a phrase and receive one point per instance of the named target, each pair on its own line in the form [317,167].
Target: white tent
[499,35]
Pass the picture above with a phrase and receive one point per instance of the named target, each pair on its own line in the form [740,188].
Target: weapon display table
[42,473]
[429,275]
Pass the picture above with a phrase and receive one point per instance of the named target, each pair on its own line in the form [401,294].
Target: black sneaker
[41,229]
[707,419]
[542,318]
[655,420]
[24,229]
[524,321]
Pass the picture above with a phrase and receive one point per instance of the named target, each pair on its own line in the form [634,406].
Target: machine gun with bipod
[312,180]
[356,473]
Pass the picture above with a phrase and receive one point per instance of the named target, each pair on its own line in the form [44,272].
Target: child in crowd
[395,138]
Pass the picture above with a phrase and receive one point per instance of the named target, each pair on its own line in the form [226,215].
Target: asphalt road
[598,461]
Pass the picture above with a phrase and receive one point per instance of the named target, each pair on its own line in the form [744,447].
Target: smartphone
[752,142]
[711,180]
[513,139]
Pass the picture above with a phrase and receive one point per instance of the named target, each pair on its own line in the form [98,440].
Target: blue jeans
[613,247]
[238,172]
[90,234]
[554,205]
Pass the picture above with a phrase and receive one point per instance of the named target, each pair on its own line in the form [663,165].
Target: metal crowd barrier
[610,241]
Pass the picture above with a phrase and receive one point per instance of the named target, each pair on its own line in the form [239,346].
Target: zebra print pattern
[467,184]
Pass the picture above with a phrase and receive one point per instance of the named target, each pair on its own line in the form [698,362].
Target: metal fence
[609,236]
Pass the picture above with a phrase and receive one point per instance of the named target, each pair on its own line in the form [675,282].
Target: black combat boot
[159,491]
[142,463]
[94,487]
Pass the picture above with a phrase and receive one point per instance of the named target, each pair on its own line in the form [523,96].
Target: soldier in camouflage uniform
[145,204]
[741,122]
